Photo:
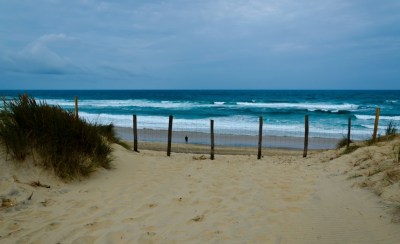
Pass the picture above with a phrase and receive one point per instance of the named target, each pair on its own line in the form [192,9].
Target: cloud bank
[253,44]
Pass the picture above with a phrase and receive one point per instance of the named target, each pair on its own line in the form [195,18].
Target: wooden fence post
[305,137]
[212,139]
[135,135]
[260,138]
[5,103]
[169,135]
[348,131]
[377,112]
[76,107]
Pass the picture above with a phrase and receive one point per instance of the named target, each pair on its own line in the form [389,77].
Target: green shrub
[68,145]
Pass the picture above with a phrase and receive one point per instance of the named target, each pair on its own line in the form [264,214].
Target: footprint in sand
[181,200]
[198,218]
[138,219]
[53,226]
[128,220]
[98,225]
[149,237]
[152,205]
[93,209]
[47,203]
[13,226]
[114,237]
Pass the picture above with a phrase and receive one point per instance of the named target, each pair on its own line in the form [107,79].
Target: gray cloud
[255,43]
[38,57]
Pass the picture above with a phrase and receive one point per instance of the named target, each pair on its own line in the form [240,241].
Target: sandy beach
[187,198]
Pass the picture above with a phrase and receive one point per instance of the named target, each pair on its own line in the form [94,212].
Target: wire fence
[243,138]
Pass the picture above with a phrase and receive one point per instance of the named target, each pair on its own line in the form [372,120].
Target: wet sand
[227,140]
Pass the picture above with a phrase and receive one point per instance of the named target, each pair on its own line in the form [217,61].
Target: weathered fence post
[260,138]
[135,136]
[348,131]
[377,112]
[305,136]
[169,135]
[5,103]
[212,139]
[76,107]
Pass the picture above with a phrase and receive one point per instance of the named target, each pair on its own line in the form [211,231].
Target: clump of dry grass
[375,166]
[390,134]
[70,146]
[202,157]
[393,175]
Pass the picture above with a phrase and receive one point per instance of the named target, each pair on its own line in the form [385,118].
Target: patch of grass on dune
[391,133]
[68,145]
[342,142]
[109,133]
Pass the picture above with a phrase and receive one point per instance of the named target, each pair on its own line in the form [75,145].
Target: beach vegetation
[342,142]
[351,149]
[370,141]
[391,129]
[69,146]
[393,175]
[390,133]
[380,138]
[376,171]
[109,133]
[354,176]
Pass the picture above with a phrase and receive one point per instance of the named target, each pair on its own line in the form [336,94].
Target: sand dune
[151,198]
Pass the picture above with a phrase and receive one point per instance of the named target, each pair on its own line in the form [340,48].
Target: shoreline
[201,139]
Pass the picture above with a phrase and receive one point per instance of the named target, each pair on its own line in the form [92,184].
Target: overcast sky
[200,44]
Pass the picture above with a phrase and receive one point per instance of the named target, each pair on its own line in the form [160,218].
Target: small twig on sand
[33,183]
[38,184]
[30,197]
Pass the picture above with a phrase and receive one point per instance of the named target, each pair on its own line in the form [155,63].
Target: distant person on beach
[186,139]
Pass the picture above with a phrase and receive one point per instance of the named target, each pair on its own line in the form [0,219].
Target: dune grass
[391,129]
[342,142]
[70,146]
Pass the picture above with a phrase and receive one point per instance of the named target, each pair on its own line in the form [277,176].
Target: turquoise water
[234,111]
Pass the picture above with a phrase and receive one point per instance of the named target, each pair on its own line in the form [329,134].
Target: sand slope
[150,198]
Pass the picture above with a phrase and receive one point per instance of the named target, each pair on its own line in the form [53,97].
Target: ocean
[235,112]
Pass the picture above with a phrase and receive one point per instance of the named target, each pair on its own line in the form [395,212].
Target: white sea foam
[186,105]
[233,125]
[371,126]
[372,117]
[239,125]
[308,106]
[124,103]
[219,103]
[133,103]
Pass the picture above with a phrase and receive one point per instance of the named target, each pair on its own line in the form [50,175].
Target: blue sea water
[234,111]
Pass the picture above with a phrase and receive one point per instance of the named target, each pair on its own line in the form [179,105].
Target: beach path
[151,198]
